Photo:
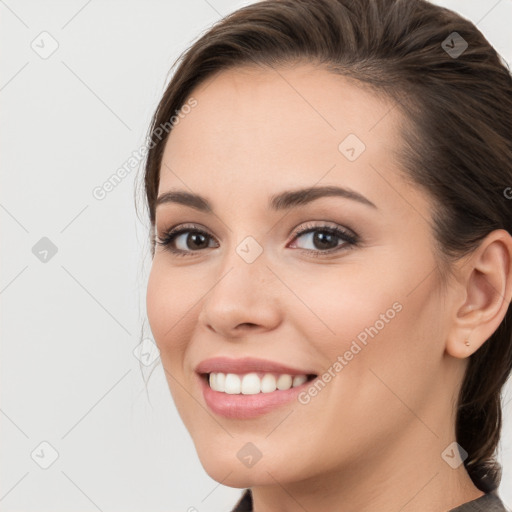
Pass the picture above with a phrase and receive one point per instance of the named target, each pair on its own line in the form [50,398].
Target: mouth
[254,383]
[245,396]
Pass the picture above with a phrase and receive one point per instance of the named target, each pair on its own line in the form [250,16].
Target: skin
[372,439]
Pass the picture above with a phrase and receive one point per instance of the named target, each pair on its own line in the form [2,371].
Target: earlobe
[462,344]
[487,281]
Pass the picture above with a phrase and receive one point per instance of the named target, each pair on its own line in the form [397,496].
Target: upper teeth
[251,384]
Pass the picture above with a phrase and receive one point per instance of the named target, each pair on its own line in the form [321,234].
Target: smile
[237,405]
[254,382]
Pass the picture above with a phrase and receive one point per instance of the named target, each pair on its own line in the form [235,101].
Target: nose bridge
[242,293]
[244,268]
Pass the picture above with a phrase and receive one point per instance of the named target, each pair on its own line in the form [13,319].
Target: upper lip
[245,365]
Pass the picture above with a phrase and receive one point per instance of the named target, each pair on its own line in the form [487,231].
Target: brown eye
[184,240]
[187,240]
[325,239]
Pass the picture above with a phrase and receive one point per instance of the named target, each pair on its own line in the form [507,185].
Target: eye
[189,239]
[324,239]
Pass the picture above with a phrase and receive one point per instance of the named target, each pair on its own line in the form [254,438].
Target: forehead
[260,128]
[305,102]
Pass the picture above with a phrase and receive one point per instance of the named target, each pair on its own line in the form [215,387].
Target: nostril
[248,324]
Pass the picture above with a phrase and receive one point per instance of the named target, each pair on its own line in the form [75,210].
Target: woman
[331,272]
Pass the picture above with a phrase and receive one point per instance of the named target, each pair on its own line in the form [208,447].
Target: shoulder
[489,502]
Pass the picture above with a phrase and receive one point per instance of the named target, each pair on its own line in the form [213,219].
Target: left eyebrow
[293,198]
[282,201]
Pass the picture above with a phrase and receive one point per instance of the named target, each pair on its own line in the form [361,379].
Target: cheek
[372,321]
[341,305]
[374,338]
[169,300]
[169,304]
[156,302]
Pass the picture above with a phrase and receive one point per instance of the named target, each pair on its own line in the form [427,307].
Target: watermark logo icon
[44,455]
[454,45]
[454,455]
[146,352]
[249,249]
[45,45]
[44,250]
[351,147]
[249,455]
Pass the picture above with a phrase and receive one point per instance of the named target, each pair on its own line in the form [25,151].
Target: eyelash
[349,239]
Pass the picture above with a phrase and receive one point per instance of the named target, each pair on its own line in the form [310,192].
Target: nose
[243,299]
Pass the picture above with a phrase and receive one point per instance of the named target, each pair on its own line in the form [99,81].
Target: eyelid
[177,230]
[348,237]
[311,226]
[296,231]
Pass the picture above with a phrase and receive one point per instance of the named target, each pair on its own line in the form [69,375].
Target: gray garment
[489,502]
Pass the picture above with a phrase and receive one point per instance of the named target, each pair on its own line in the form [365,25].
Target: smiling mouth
[252,383]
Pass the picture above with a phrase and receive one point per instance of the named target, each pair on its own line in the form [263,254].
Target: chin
[234,474]
[226,468]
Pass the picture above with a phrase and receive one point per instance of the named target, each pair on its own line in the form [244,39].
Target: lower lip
[247,406]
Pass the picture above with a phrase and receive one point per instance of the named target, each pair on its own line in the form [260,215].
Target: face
[361,307]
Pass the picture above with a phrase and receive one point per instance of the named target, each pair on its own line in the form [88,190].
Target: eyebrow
[282,201]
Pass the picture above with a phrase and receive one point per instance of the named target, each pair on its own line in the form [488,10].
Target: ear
[485,283]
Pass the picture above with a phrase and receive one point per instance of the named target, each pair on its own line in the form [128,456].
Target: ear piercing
[467,343]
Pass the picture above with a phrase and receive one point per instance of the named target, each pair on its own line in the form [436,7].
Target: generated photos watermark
[304,397]
[100,192]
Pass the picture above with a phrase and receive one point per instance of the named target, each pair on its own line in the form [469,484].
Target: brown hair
[457,142]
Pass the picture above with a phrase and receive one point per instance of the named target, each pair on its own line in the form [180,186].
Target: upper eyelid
[302,229]
[178,228]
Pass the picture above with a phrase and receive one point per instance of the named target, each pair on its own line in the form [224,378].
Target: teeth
[284,382]
[232,384]
[252,384]
[298,380]
[268,383]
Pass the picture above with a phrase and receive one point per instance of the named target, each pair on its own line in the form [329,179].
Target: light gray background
[70,325]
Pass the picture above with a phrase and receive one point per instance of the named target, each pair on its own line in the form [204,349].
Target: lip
[246,365]
[247,406]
